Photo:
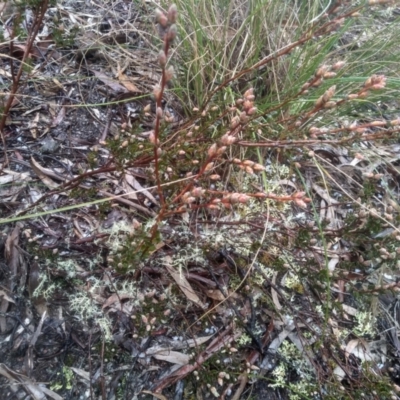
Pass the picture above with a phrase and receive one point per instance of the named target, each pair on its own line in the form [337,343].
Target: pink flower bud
[157,91]
[321,71]
[221,150]
[235,122]
[248,92]
[198,192]
[209,166]
[395,122]
[152,138]
[338,65]
[169,73]
[162,59]
[243,198]
[227,139]
[328,75]
[243,116]
[258,167]
[317,82]
[300,203]
[163,20]
[233,197]
[212,151]
[172,14]
[314,130]
[159,112]
[247,104]
[378,123]
[378,86]
[248,163]
[330,104]
[160,16]
[172,32]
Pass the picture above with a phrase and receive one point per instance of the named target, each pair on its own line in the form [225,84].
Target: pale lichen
[365,325]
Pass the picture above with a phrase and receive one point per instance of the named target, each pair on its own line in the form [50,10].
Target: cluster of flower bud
[298,198]
[227,139]
[149,322]
[248,109]
[380,2]
[215,150]
[323,72]
[167,22]
[248,165]
[233,198]
[325,100]
[315,132]
[354,127]
[168,31]
[375,82]
[193,195]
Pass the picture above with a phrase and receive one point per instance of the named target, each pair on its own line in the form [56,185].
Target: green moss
[303,238]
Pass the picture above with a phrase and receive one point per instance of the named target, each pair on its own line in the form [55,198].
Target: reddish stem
[17,78]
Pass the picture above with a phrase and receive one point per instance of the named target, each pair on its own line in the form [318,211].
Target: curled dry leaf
[42,173]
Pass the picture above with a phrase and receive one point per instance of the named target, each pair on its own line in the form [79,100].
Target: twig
[17,78]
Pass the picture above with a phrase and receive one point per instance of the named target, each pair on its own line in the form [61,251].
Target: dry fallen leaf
[110,82]
[156,395]
[132,181]
[6,296]
[173,357]
[38,392]
[274,294]
[114,298]
[127,83]
[14,177]
[39,171]
[333,262]
[359,348]
[183,284]
[215,295]
[83,374]
[59,118]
